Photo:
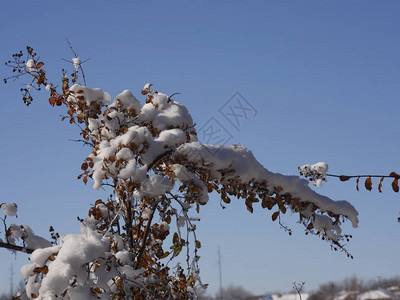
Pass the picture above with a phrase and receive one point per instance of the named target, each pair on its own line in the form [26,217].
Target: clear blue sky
[324,77]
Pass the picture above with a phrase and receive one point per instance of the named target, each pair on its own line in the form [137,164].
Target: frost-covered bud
[30,64]
[77,62]
[316,173]
[320,168]
[305,170]
[27,100]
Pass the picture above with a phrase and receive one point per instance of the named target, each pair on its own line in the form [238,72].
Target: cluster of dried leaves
[368,180]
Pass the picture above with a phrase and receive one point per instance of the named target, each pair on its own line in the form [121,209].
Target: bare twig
[128,222]
[356,176]
[286,228]
[16,248]
[80,65]
[85,143]
[158,158]
[298,287]
[146,233]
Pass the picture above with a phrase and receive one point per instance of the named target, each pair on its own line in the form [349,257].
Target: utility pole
[220,273]
[11,280]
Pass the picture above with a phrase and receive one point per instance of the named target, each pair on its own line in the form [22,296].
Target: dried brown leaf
[368,183]
[84,166]
[198,244]
[249,205]
[344,178]
[395,185]
[52,101]
[380,185]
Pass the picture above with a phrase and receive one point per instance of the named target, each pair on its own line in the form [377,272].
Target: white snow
[126,100]
[91,96]
[80,293]
[147,87]
[172,137]
[164,226]
[304,296]
[247,168]
[27,270]
[376,294]
[75,251]
[155,186]
[16,231]
[124,257]
[33,241]
[183,175]
[77,63]
[40,256]
[320,168]
[30,64]
[316,172]
[324,223]
[9,209]
[155,147]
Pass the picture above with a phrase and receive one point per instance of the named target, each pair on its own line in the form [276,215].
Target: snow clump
[9,209]
[316,172]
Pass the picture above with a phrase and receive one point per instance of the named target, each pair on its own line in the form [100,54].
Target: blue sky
[324,77]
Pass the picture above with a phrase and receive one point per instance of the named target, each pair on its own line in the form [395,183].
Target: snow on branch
[159,174]
[22,234]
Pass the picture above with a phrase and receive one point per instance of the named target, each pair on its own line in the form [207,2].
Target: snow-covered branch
[150,157]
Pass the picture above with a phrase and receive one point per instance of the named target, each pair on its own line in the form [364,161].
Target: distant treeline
[328,291]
